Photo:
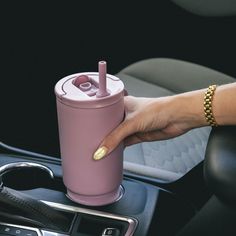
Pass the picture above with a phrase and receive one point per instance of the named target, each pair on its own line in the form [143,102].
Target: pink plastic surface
[102,71]
[83,123]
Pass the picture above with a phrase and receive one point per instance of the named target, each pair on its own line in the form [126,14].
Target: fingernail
[100,153]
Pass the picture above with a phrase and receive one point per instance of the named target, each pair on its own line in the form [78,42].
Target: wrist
[223,104]
[190,109]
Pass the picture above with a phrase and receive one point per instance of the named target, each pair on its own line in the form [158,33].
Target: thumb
[113,139]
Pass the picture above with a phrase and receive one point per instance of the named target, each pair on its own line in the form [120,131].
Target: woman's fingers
[112,140]
[155,135]
[144,137]
[140,116]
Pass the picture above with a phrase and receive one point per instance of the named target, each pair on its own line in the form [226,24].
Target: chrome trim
[18,165]
[50,233]
[22,227]
[38,231]
[130,220]
[121,193]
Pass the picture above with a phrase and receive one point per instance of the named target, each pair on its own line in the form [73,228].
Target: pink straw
[102,71]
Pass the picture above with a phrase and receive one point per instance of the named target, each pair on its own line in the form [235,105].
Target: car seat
[170,159]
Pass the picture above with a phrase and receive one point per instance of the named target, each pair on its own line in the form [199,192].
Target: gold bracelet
[208,98]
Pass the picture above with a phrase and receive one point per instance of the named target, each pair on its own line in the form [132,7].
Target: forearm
[149,119]
[191,108]
[224,104]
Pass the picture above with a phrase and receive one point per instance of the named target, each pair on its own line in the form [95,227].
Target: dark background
[41,42]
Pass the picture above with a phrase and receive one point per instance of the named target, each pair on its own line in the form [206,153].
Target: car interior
[181,186]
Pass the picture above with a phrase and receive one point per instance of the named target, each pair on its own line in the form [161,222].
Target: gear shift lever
[22,207]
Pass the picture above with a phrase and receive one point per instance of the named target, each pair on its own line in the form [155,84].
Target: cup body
[81,130]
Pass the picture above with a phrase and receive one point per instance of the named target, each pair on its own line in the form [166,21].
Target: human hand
[149,119]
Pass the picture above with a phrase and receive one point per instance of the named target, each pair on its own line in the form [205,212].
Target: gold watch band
[208,99]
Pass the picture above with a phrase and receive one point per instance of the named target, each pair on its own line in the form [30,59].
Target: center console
[142,209]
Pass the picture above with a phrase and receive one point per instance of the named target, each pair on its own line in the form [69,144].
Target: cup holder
[99,200]
[121,193]
[25,175]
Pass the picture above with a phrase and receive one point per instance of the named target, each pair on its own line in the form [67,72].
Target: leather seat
[169,159]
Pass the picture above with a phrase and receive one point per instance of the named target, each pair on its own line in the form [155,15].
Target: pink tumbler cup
[90,106]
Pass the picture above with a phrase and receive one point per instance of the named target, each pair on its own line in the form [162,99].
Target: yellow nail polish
[100,153]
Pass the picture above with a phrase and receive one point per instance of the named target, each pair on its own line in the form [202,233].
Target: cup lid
[83,90]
